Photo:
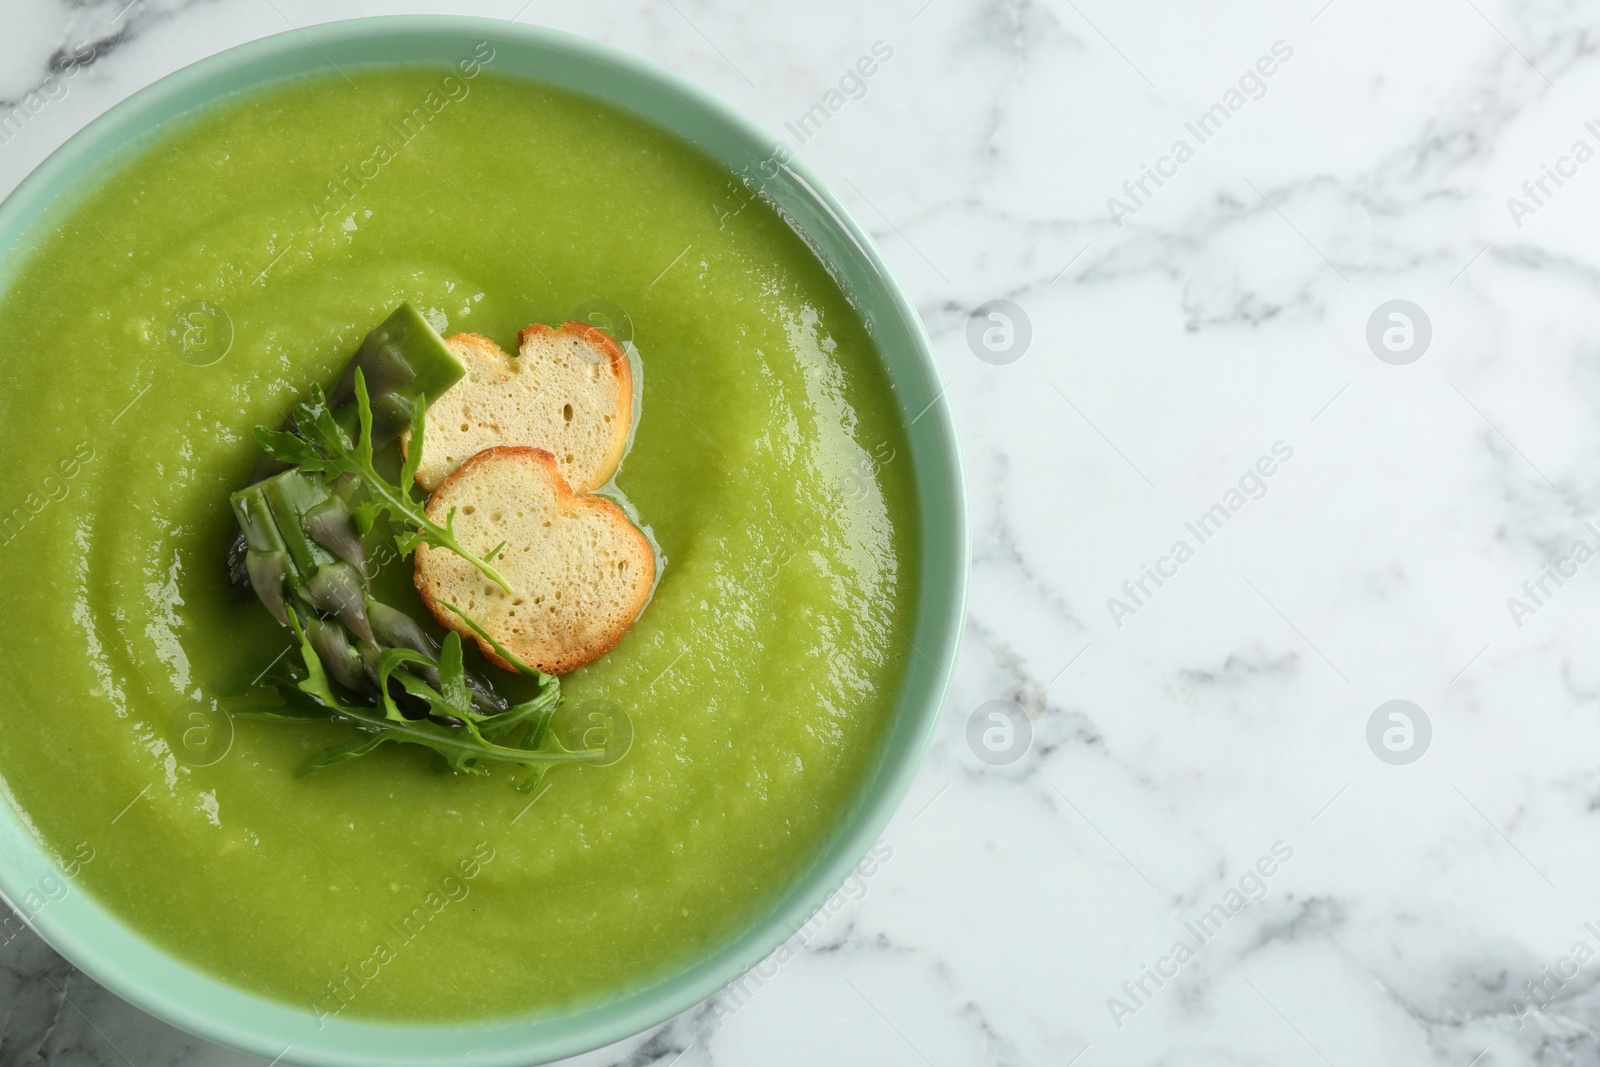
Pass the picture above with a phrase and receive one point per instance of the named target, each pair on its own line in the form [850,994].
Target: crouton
[568,391]
[581,570]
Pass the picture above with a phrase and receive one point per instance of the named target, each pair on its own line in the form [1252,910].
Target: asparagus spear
[273,516]
[404,360]
[302,556]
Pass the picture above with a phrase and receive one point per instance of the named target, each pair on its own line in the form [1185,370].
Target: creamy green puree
[769,464]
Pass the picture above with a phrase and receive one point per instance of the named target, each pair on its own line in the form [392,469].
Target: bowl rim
[878,796]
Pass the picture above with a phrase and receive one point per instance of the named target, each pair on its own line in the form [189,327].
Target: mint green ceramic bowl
[142,972]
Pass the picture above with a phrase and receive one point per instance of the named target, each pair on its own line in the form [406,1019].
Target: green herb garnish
[319,444]
[301,549]
[463,747]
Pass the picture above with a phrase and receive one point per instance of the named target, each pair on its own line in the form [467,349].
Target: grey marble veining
[1201,741]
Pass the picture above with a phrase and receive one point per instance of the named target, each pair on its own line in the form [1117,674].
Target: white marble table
[1200,768]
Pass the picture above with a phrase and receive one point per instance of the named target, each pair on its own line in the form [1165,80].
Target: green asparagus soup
[198,290]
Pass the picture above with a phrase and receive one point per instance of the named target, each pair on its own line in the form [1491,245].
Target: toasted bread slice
[581,570]
[568,391]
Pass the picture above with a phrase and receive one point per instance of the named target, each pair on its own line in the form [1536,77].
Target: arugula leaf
[539,738]
[413,460]
[462,749]
[334,755]
[285,447]
[453,699]
[286,712]
[536,712]
[453,677]
[408,540]
[315,684]
[391,661]
[530,783]
[534,739]
[320,444]
[367,515]
[501,650]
